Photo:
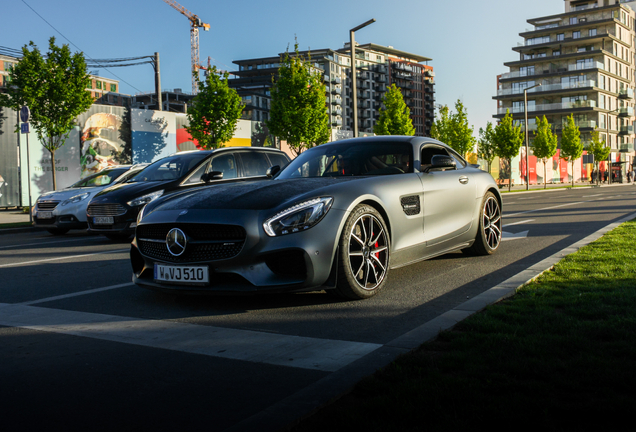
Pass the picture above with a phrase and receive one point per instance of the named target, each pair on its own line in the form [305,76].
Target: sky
[467,40]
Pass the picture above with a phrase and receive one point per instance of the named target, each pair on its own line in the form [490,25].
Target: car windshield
[170,168]
[102,178]
[351,159]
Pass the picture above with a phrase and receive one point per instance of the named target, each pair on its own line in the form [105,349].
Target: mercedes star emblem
[176,241]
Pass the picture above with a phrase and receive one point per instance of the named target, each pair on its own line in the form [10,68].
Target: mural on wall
[99,147]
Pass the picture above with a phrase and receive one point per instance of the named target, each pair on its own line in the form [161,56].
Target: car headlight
[142,200]
[299,217]
[76,198]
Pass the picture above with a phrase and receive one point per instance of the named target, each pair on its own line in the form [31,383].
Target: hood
[256,195]
[124,192]
[67,193]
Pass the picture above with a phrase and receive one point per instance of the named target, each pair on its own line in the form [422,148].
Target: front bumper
[302,261]
[63,217]
[122,224]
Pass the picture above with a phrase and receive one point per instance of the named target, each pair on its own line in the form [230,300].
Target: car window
[278,159]
[359,159]
[226,164]
[254,164]
[170,168]
[459,161]
[127,175]
[102,178]
[195,177]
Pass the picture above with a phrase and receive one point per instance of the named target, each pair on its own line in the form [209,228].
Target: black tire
[57,231]
[363,254]
[118,237]
[488,236]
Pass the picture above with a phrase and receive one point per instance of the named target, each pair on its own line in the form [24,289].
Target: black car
[113,212]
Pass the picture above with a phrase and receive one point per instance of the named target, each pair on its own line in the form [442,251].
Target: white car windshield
[102,178]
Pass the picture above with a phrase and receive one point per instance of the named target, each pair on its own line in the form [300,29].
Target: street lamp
[525,110]
[353,73]
[607,141]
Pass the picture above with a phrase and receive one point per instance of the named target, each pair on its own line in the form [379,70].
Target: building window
[574,20]
[592,32]
[561,36]
[113,87]
[556,52]
[576,35]
[98,85]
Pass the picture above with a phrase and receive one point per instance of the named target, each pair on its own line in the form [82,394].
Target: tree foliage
[215,110]
[452,128]
[298,112]
[599,150]
[508,140]
[54,87]
[486,149]
[395,117]
[544,145]
[571,145]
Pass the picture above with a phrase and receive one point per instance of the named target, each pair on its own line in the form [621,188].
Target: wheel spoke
[366,276]
[378,237]
[364,231]
[355,254]
[370,230]
[360,269]
[378,250]
[379,263]
[359,240]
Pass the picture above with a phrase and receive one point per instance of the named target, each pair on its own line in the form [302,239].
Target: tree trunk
[545,174]
[572,173]
[53,168]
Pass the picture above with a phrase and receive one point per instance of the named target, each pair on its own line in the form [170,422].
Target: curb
[287,413]
[20,230]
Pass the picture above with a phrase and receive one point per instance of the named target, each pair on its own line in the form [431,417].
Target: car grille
[205,242]
[47,205]
[106,210]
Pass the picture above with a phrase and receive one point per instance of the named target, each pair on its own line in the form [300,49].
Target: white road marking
[47,243]
[590,196]
[517,223]
[65,296]
[62,258]
[545,208]
[247,345]
[510,236]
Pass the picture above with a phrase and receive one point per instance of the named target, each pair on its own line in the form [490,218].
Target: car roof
[225,149]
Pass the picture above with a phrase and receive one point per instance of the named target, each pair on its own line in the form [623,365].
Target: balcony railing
[550,107]
[626,112]
[626,93]
[548,87]
[626,130]
[627,147]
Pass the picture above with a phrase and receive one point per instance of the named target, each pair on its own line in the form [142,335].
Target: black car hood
[124,192]
[257,195]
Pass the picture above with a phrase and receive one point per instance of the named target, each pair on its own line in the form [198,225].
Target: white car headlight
[299,217]
[76,198]
[143,200]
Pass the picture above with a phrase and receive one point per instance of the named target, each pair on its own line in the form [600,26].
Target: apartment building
[376,68]
[6,63]
[580,62]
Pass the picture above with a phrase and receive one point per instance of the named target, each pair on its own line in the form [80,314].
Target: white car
[63,210]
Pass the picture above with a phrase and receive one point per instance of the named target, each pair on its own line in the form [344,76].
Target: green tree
[442,126]
[54,88]
[298,112]
[215,110]
[395,117]
[599,150]
[452,128]
[508,140]
[571,145]
[486,149]
[544,145]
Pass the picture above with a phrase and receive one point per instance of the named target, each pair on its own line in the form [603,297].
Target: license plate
[45,215]
[103,220]
[182,274]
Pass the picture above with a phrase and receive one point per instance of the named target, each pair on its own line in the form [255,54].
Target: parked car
[64,210]
[339,217]
[113,212]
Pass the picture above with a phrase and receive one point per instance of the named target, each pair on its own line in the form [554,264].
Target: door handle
[463,180]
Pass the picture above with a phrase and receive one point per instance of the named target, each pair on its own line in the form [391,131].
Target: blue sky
[468,40]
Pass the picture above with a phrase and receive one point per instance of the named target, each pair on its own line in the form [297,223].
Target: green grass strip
[560,355]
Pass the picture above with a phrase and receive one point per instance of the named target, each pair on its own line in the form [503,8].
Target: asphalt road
[83,349]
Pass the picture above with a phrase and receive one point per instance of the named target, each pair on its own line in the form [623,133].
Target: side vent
[411,205]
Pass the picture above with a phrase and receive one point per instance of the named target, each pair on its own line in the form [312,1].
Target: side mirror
[212,175]
[272,171]
[441,162]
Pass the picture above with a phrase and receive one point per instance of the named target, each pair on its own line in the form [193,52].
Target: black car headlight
[299,217]
[143,200]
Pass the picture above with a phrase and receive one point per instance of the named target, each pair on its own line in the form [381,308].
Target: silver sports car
[338,217]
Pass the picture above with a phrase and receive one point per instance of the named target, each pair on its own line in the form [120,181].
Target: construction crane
[195,24]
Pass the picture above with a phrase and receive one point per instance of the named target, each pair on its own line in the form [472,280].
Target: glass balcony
[549,107]
[626,130]
[626,93]
[627,147]
[548,87]
[626,112]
